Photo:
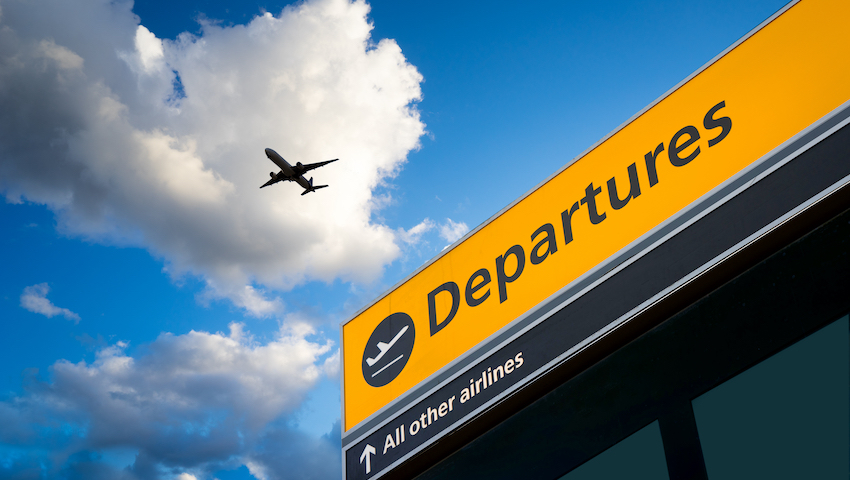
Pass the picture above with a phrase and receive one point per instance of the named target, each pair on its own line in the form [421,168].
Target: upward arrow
[367,454]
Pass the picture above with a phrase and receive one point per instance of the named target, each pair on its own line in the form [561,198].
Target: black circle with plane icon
[388,349]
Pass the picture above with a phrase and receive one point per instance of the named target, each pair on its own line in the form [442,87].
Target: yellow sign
[776,83]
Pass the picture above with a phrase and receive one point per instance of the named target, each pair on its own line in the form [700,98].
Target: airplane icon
[294,173]
[384,348]
[387,363]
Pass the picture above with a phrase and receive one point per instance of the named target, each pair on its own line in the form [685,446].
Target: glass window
[787,417]
[639,457]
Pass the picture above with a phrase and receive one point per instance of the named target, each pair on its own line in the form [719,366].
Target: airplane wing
[280,177]
[312,166]
[270,182]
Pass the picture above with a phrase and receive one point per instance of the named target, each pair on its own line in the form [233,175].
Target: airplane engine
[271,174]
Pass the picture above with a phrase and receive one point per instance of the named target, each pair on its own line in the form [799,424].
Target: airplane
[384,347]
[293,173]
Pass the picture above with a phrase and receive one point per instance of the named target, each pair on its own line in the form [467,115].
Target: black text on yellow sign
[680,151]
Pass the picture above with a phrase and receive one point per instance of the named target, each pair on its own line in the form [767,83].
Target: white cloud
[149,49]
[255,301]
[135,140]
[258,470]
[64,58]
[452,231]
[188,404]
[313,459]
[415,233]
[331,365]
[35,300]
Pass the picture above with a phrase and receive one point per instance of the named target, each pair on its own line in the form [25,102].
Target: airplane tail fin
[312,188]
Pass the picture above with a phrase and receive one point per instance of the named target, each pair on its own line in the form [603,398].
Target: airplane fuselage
[287,171]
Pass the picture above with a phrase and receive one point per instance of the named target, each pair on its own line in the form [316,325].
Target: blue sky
[164,318]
